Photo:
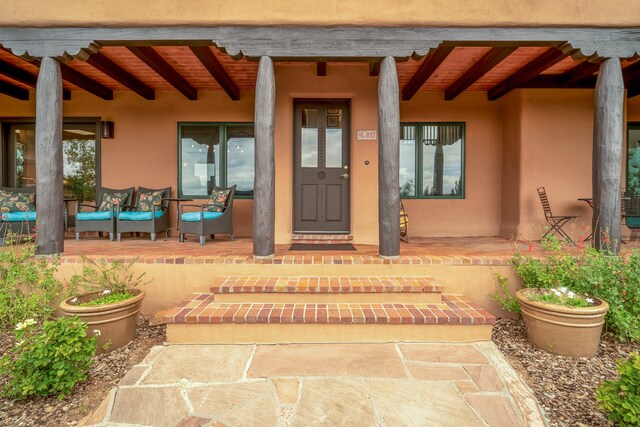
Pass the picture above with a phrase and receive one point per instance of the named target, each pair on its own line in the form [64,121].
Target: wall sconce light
[107,130]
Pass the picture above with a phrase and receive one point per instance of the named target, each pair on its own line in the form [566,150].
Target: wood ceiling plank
[116,72]
[479,69]
[158,64]
[427,68]
[211,63]
[528,72]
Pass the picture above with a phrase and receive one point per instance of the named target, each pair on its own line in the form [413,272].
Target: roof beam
[374,69]
[427,68]
[14,91]
[321,69]
[119,74]
[631,75]
[25,77]
[552,81]
[579,72]
[211,63]
[158,64]
[528,72]
[492,58]
[78,79]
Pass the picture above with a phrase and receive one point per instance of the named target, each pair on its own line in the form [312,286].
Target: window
[79,150]
[215,155]
[432,160]
[633,157]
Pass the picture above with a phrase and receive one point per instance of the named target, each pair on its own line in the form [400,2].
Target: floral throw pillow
[16,202]
[147,200]
[109,199]
[218,199]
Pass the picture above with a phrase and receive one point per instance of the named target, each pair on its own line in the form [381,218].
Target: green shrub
[28,287]
[113,280]
[615,279]
[620,398]
[47,361]
[503,295]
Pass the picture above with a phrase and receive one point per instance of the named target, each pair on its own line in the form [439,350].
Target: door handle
[344,176]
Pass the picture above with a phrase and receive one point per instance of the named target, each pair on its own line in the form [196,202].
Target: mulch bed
[106,372]
[564,386]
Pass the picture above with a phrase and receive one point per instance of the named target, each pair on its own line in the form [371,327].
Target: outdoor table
[177,201]
[589,201]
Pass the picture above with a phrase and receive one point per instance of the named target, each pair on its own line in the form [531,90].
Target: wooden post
[389,160]
[49,186]
[264,182]
[607,156]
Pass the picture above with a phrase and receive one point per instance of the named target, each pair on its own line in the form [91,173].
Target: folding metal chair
[555,222]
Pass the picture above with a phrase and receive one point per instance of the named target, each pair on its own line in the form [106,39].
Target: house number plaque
[366,135]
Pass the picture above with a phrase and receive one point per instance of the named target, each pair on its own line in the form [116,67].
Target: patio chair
[555,222]
[148,215]
[102,216]
[213,218]
[404,224]
[17,211]
[631,204]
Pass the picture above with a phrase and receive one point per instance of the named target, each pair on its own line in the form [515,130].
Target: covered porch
[251,74]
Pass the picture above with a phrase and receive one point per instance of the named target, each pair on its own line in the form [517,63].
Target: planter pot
[566,331]
[116,322]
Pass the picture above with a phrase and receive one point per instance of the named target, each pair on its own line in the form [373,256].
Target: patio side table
[177,201]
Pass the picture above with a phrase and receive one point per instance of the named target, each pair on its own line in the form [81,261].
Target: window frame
[223,156]
[419,161]
[630,126]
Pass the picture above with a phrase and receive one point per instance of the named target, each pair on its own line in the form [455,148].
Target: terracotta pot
[116,322]
[566,331]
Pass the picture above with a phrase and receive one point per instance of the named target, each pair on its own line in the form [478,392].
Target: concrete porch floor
[321,384]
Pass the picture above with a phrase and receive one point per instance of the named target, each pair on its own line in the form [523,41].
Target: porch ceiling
[193,69]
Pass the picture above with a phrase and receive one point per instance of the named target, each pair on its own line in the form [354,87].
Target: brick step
[326,289]
[323,239]
[200,319]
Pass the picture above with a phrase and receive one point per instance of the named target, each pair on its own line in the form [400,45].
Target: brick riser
[322,239]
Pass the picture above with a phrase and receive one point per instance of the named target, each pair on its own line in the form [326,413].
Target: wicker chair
[204,222]
[130,219]
[17,222]
[101,221]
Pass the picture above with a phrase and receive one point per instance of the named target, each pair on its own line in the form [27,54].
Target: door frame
[296,170]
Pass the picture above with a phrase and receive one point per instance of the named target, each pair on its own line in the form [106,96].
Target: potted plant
[561,321]
[105,296]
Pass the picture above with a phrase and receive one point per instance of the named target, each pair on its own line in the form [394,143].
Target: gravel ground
[565,386]
[106,372]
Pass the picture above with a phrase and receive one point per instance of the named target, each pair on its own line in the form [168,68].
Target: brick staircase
[323,239]
[296,309]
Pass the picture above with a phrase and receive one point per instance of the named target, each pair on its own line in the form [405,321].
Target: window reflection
[309,140]
[408,161]
[333,138]
[240,158]
[633,159]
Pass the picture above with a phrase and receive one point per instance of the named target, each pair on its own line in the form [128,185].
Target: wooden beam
[580,72]
[388,160]
[25,77]
[211,63]
[427,68]
[607,156]
[264,202]
[119,74]
[14,91]
[49,167]
[374,69]
[552,81]
[77,78]
[528,72]
[631,74]
[321,69]
[479,69]
[158,64]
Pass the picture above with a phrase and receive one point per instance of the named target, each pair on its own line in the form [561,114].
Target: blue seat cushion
[93,216]
[633,221]
[138,216]
[19,216]
[196,216]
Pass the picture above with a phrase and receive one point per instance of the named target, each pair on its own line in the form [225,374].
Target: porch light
[107,130]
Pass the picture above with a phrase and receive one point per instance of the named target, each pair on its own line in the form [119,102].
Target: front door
[321,167]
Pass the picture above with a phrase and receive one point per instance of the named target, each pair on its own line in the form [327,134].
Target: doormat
[321,247]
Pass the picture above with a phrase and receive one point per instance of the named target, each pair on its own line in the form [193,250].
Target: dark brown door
[322,173]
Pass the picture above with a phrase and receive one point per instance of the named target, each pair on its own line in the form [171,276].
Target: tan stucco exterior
[329,12]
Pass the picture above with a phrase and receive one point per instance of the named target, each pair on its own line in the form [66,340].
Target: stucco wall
[305,12]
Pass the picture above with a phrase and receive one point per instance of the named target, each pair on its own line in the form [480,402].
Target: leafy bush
[47,361]
[28,287]
[620,398]
[504,297]
[615,279]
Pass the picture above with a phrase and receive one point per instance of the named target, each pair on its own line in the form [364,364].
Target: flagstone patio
[321,384]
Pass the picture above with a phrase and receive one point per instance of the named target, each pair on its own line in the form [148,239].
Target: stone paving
[321,384]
